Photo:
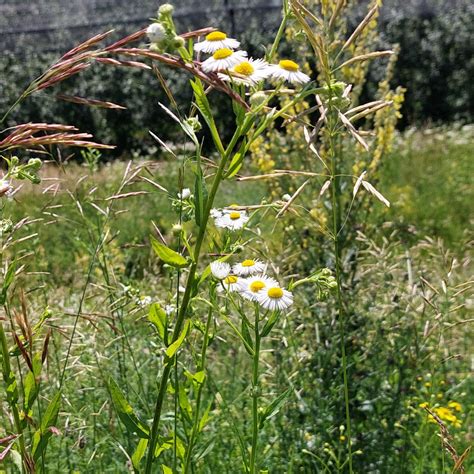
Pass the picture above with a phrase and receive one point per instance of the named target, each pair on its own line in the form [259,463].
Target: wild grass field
[288,294]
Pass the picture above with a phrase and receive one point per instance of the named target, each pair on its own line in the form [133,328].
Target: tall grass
[164,316]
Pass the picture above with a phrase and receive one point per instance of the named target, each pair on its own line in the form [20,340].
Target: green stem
[336,207]
[255,396]
[201,366]
[169,362]
[8,376]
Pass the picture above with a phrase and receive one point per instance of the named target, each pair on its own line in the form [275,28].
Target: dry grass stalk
[365,57]
[25,136]
[360,28]
[292,199]
[90,102]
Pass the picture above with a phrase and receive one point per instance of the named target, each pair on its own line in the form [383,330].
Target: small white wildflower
[230,283]
[252,286]
[223,59]
[275,298]
[170,309]
[220,269]
[215,213]
[214,41]
[248,72]
[232,220]
[185,194]
[248,267]
[289,71]
[145,301]
[156,32]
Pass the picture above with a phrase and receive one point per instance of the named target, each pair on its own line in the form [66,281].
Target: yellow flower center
[216,36]
[256,286]
[230,280]
[234,215]
[222,53]
[245,68]
[288,65]
[275,293]
[248,263]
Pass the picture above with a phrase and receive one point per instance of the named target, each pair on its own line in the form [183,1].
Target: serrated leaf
[167,255]
[171,351]
[125,411]
[158,317]
[274,406]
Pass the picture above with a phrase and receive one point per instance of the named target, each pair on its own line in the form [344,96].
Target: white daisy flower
[232,220]
[214,41]
[230,283]
[248,267]
[215,213]
[185,194]
[156,32]
[223,59]
[275,298]
[248,72]
[220,269]
[289,71]
[252,286]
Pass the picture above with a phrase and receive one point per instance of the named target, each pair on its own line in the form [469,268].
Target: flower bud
[35,163]
[194,123]
[177,229]
[156,32]
[177,42]
[165,9]
[258,98]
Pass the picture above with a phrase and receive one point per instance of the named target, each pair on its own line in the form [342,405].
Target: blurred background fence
[436,62]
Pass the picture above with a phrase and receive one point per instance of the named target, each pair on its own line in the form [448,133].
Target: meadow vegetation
[290,294]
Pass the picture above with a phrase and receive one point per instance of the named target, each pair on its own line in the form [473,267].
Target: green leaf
[201,101]
[125,411]
[274,406]
[166,469]
[204,418]
[272,320]
[199,376]
[139,453]
[7,282]
[167,255]
[158,317]
[200,192]
[171,351]
[247,337]
[42,435]
[237,161]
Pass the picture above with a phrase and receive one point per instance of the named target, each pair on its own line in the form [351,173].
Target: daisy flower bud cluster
[235,66]
[183,204]
[162,33]
[248,279]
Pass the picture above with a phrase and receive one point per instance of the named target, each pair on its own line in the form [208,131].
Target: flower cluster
[248,279]
[447,413]
[235,66]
